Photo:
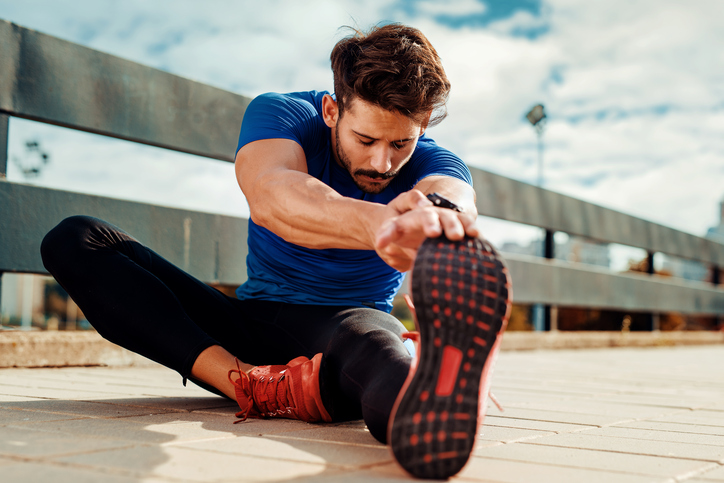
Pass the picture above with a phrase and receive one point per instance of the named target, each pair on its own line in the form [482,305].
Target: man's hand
[400,236]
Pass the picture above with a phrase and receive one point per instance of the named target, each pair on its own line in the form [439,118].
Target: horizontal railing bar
[47,79]
[212,248]
[512,200]
[556,282]
[209,246]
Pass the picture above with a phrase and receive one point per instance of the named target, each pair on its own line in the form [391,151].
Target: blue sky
[634,91]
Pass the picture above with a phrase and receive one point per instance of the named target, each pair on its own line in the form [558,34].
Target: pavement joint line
[200,440]
[697,472]
[666,431]
[628,452]
[140,406]
[526,438]
[551,421]
[324,464]
[317,440]
[105,470]
[73,453]
[42,398]
[546,430]
[161,411]
[69,389]
[556,465]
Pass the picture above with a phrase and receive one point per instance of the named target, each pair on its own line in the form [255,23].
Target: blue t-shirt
[281,271]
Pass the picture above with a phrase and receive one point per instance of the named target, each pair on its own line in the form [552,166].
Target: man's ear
[423,126]
[330,111]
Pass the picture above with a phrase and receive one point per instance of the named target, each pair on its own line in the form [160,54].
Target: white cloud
[450,7]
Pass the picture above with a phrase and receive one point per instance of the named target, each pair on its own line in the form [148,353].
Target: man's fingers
[410,200]
[457,225]
[471,228]
[452,225]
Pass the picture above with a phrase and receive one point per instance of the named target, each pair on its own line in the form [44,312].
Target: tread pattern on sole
[461,291]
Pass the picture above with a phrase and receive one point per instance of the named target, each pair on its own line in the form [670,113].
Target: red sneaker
[461,293]
[284,391]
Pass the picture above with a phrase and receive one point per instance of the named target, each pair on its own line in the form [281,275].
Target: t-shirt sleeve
[429,159]
[277,116]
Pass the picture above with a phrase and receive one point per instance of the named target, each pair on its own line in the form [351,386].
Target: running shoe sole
[461,292]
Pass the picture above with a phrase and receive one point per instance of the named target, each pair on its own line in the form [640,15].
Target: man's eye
[398,145]
[367,143]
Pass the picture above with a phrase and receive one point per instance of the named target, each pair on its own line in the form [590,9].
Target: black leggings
[138,300]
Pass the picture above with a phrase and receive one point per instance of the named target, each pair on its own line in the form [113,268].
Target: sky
[633,90]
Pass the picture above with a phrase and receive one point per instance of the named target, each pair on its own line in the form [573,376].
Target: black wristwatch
[442,202]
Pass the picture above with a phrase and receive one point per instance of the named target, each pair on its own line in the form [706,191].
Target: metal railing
[49,80]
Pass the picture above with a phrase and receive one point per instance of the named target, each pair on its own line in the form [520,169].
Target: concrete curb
[59,349]
[599,340]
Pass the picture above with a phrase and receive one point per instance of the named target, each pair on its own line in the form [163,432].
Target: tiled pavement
[603,415]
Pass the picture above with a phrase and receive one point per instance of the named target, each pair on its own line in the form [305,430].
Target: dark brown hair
[394,67]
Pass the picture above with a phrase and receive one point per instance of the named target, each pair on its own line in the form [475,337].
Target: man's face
[371,143]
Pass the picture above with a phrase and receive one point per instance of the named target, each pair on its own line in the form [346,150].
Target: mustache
[375,174]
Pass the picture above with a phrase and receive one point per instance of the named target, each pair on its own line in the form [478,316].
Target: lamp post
[544,316]
[537,118]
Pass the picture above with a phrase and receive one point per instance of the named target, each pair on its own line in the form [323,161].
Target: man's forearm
[304,211]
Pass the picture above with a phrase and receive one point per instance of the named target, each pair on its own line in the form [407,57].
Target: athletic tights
[135,298]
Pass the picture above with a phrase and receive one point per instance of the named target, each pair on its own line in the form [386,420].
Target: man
[338,189]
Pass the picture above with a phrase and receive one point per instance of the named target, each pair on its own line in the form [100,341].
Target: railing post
[716,281]
[4,118]
[549,252]
[654,320]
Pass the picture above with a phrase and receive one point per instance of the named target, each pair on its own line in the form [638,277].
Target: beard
[370,189]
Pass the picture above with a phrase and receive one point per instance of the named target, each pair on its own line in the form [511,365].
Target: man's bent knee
[62,242]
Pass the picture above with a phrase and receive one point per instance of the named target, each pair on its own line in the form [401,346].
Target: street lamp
[541,314]
[537,118]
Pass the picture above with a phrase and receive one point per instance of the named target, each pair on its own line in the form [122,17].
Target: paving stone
[225,423]
[123,429]
[9,398]
[633,446]
[653,435]
[675,427]
[602,408]
[705,418]
[24,442]
[15,416]
[481,469]
[558,416]
[35,392]
[506,435]
[716,474]
[356,435]
[669,401]
[44,473]
[287,448]
[81,408]
[195,465]
[180,403]
[509,422]
[591,459]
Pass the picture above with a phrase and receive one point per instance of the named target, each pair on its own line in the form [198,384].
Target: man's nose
[382,159]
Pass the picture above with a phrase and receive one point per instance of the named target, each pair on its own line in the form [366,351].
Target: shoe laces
[243,388]
[272,395]
[267,395]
